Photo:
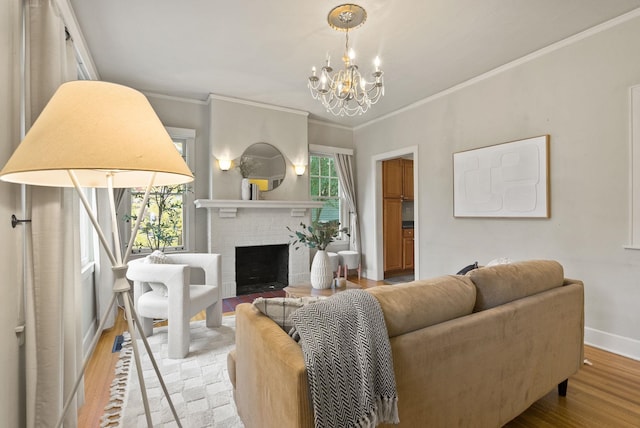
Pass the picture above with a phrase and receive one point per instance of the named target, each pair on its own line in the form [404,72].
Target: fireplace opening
[261,268]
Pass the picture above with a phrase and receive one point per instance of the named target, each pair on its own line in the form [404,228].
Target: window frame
[187,137]
[634,168]
[329,152]
[88,237]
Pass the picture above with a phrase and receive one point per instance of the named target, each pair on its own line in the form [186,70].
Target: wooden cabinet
[407,179]
[397,179]
[397,186]
[392,231]
[407,249]
[392,179]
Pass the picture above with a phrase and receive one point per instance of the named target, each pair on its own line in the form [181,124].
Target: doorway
[397,256]
[398,219]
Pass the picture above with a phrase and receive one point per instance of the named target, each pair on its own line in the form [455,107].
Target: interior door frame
[377,270]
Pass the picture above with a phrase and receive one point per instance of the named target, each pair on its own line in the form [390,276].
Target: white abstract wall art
[504,180]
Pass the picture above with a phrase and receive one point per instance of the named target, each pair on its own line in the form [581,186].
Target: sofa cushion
[279,309]
[418,304]
[505,283]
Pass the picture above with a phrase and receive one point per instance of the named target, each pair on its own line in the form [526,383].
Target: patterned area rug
[199,384]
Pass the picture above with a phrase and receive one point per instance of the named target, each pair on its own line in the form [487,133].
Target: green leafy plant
[317,235]
[162,225]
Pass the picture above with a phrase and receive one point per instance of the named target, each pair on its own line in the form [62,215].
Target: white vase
[246,189]
[321,273]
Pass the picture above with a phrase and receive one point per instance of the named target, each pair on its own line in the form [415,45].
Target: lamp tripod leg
[92,347]
[153,362]
[128,310]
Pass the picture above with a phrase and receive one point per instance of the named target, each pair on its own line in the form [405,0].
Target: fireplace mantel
[229,207]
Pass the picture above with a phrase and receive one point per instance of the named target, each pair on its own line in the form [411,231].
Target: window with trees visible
[166,221]
[86,231]
[325,187]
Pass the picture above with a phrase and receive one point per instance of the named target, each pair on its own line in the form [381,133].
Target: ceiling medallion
[346,92]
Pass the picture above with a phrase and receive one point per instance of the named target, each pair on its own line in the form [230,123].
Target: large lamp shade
[96,128]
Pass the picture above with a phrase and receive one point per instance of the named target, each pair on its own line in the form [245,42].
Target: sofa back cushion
[418,304]
[505,283]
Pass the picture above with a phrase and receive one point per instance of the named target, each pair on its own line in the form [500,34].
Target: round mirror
[264,165]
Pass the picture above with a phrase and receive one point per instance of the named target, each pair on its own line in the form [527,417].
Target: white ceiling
[263,51]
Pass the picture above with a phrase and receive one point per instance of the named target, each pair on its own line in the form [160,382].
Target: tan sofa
[468,351]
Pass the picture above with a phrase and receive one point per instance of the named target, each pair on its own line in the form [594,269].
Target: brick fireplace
[236,223]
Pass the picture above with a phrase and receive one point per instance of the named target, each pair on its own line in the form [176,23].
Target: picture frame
[503,180]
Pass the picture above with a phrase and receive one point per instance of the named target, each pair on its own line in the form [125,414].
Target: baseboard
[620,345]
[88,336]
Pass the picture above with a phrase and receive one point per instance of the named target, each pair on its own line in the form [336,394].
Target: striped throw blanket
[348,357]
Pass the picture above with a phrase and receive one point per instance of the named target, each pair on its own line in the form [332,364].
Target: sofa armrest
[271,378]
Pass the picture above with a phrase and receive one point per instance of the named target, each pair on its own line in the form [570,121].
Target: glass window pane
[163,224]
[314,186]
[324,187]
[332,171]
[314,166]
[324,167]
[334,187]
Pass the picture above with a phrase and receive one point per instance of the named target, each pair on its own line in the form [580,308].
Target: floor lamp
[99,134]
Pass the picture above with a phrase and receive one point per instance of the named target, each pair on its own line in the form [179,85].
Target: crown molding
[174,98]
[331,125]
[257,104]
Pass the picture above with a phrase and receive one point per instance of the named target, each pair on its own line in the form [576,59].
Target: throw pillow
[158,257]
[279,309]
[468,268]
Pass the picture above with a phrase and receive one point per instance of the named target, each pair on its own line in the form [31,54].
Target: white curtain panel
[344,167]
[53,331]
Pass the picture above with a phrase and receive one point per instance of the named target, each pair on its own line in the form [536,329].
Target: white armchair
[182,300]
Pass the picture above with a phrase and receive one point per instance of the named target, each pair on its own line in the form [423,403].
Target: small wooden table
[306,290]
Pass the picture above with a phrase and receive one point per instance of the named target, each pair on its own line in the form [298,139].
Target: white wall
[326,134]
[579,94]
[11,394]
[235,125]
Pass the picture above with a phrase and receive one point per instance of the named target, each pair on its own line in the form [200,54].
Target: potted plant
[318,235]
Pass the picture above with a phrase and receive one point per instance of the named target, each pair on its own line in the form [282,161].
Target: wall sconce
[224,164]
[299,169]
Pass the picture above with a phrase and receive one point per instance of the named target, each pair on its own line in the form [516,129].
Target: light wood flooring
[604,394]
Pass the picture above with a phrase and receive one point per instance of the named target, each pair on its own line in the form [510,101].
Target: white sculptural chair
[183,300]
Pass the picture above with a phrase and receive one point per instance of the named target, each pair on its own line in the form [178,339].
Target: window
[168,218]
[325,187]
[87,240]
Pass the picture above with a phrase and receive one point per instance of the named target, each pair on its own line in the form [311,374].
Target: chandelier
[346,92]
